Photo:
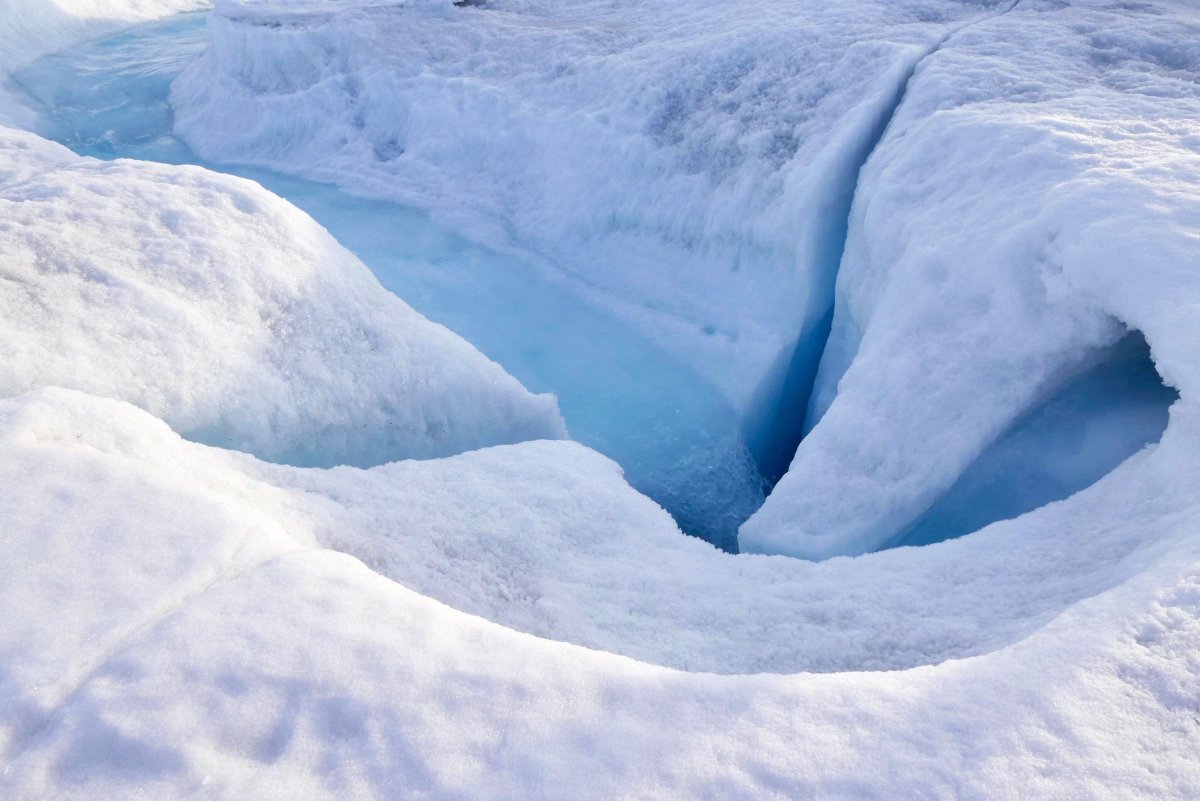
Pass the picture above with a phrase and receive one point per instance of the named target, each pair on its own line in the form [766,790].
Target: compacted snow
[1007,198]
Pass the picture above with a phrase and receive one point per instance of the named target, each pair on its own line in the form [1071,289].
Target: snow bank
[202,643]
[1036,194]
[225,311]
[689,169]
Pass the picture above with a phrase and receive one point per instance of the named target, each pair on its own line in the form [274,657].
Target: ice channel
[676,438]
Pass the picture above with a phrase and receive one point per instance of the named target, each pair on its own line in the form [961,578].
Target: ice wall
[1037,189]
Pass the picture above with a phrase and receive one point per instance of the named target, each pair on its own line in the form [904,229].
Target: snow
[1034,197]
[690,172]
[514,621]
[225,311]
[204,643]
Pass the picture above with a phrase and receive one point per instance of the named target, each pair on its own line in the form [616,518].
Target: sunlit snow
[366,363]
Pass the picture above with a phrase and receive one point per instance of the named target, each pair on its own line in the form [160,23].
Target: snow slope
[690,170]
[1037,193]
[227,312]
[205,645]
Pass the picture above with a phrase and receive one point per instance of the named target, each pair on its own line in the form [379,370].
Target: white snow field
[217,589]
[202,644]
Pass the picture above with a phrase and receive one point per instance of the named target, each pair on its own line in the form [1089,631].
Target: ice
[1083,431]
[690,172]
[703,191]
[1034,193]
[32,28]
[676,437]
[232,315]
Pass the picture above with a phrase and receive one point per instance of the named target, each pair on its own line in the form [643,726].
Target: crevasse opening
[675,436]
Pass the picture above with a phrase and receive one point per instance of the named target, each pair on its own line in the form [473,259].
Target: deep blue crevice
[782,407]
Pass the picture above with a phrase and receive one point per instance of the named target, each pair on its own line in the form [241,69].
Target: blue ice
[677,440]
[1066,444]
[675,437]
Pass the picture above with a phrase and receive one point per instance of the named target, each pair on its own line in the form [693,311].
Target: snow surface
[1037,192]
[205,644]
[225,311]
[180,623]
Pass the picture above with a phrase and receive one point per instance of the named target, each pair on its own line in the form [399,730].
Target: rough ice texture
[227,312]
[1037,192]
[689,170]
[205,641]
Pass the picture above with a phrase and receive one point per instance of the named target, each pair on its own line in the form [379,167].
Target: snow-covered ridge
[230,314]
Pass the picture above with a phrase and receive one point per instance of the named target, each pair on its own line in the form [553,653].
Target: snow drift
[227,312]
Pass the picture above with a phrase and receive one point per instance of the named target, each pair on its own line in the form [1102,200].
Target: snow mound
[690,171]
[1037,193]
[204,643]
[225,311]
